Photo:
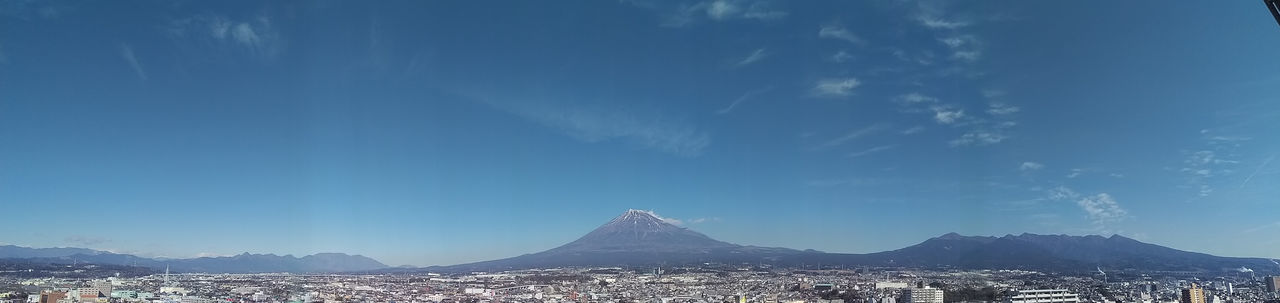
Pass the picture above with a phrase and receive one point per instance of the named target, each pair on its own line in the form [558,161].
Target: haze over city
[437,133]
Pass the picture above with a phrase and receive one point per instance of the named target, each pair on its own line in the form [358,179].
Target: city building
[884,285]
[1273,283]
[52,296]
[1193,294]
[922,295]
[1044,296]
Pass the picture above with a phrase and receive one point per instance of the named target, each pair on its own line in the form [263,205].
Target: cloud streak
[854,134]
[739,100]
[126,52]
[835,87]
[870,151]
[755,56]
[589,124]
[838,33]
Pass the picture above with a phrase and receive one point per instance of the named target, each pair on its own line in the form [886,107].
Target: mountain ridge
[641,238]
[1028,251]
[241,263]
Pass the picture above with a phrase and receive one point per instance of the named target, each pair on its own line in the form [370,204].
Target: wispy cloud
[682,14]
[913,98]
[210,255]
[913,130]
[841,56]
[84,241]
[844,182]
[755,56]
[963,47]
[946,114]
[838,32]
[1256,170]
[939,22]
[1030,166]
[256,36]
[1000,109]
[978,138]
[1102,208]
[740,99]
[704,220]
[835,87]
[593,124]
[1272,225]
[126,52]
[1075,172]
[871,151]
[854,134]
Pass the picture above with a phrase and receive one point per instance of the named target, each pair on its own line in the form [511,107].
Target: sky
[441,132]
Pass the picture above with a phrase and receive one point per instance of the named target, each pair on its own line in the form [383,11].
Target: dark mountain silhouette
[634,238]
[243,263]
[638,238]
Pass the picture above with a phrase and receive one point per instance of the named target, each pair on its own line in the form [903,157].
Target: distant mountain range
[242,263]
[638,238]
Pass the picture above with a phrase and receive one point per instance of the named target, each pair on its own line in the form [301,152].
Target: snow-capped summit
[642,231]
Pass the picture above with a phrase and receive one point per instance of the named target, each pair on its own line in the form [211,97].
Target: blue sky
[443,132]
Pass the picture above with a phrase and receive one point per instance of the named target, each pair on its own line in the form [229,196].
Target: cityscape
[662,277]
[639,151]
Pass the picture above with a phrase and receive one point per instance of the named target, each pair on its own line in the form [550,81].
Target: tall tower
[1193,294]
[166,276]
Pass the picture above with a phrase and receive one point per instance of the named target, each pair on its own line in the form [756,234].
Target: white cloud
[854,134]
[970,55]
[999,109]
[1075,172]
[255,36]
[953,42]
[210,255]
[913,98]
[704,220]
[940,23]
[835,87]
[127,53]
[1030,166]
[679,15]
[841,56]
[946,114]
[871,151]
[978,138]
[1102,208]
[913,130]
[838,32]
[672,221]
[1062,193]
[757,55]
[721,10]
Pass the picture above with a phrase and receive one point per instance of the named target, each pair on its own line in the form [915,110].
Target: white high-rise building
[922,295]
[1044,296]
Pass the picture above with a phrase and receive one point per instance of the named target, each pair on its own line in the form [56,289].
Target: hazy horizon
[430,133]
